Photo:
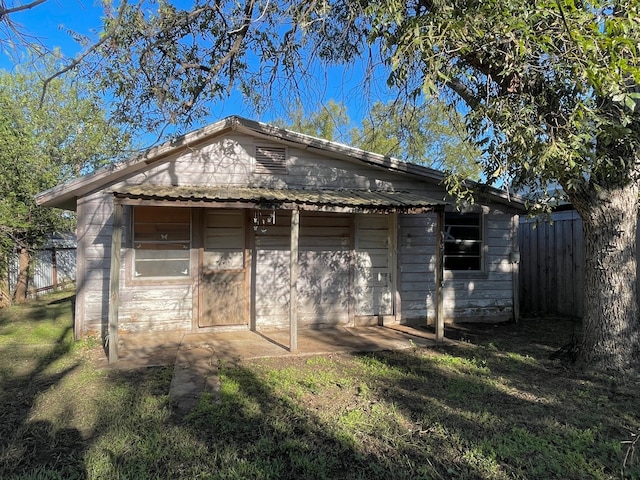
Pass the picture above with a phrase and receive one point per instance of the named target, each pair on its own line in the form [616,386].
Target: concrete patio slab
[195,371]
[148,349]
[196,357]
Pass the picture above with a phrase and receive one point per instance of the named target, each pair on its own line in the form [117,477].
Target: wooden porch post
[439,275]
[114,282]
[293,281]
[515,267]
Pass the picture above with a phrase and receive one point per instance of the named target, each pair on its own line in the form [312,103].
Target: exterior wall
[93,264]
[323,273]
[142,307]
[152,305]
[417,266]
[468,296]
[229,161]
[374,274]
[332,248]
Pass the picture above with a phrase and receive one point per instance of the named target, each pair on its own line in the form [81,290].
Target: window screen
[161,241]
[463,241]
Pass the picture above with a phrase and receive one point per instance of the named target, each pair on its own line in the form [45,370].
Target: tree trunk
[611,327]
[5,298]
[22,283]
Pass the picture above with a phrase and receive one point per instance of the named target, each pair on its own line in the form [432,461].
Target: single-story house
[242,225]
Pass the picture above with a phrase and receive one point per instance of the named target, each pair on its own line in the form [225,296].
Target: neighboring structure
[53,266]
[244,225]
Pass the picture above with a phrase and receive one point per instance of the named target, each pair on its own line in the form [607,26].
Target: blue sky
[51,22]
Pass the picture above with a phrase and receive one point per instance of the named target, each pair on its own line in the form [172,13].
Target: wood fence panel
[552,264]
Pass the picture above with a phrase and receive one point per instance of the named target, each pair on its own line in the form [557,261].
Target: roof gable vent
[271,160]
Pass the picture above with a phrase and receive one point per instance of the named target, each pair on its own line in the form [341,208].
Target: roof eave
[66,194]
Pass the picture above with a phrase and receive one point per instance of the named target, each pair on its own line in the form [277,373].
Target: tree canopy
[329,122]
[429,134]
[536,78]
[42,145]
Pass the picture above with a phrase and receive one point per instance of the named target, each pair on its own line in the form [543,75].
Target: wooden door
[373,277]
[223,292]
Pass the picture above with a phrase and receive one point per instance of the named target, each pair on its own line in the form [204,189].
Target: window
[463,241]
[161,242]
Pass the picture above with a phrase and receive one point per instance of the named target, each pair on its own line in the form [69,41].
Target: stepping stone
[195,371]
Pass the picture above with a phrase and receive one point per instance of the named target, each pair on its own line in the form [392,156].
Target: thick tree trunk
[611,327]
[22,283]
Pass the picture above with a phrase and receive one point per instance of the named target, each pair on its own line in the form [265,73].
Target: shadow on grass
[26,445]
[471,412]
[30,364]
[516,415]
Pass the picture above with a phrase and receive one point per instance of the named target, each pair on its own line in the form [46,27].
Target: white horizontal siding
[323,271]
[145,308]
[326,243]
[470,296]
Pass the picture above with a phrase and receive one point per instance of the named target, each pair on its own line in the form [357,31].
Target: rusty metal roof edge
[341,197]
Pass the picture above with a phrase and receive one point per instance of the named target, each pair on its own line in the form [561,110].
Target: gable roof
[65,195]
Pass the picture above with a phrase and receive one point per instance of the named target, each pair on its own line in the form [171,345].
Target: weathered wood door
[373,276]
[223,296]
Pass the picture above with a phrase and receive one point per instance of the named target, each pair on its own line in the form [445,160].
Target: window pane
[464,232]
[462,263]
[161,241]
[162,254]
[162,268]
[463,249]
[463,241]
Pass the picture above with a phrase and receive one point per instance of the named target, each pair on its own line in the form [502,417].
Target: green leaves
[41,146]
[553,85]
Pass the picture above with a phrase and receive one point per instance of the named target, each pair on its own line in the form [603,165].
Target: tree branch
[8,11]
[76,61]
[464,92]
[239,34]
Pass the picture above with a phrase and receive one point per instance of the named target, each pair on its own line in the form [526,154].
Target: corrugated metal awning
[285,199]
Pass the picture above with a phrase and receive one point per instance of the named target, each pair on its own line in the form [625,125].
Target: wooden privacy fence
[552,264]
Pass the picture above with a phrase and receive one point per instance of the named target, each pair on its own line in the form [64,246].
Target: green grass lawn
[495,407]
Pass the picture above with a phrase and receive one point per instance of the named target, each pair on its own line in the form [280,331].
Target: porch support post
[439,275]
[515,267]
[293,281]
[114,281]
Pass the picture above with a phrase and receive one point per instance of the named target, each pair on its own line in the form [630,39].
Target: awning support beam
[293,281]
[114,282]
